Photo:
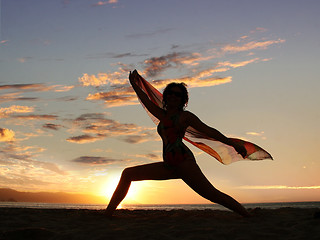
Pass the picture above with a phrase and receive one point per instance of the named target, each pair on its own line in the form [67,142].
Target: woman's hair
[184,97]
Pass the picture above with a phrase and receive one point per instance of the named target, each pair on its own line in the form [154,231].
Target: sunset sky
[70,122]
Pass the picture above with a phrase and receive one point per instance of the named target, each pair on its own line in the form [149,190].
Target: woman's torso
[172,128]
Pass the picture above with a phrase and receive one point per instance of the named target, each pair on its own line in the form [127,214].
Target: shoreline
[56,224]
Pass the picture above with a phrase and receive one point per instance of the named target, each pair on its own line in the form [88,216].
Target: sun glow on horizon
[133,196]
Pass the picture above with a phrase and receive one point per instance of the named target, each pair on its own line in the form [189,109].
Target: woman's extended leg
[152,171]
[192,175]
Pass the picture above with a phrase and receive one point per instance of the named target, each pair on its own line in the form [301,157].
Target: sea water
[166,207]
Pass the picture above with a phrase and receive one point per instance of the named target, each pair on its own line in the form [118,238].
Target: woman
[179,161]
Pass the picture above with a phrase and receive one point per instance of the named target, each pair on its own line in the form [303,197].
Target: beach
[54,224]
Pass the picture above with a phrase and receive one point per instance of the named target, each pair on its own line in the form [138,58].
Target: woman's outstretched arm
[152,108]
[197,124]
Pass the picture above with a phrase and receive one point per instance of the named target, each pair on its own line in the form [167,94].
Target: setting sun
[135,192]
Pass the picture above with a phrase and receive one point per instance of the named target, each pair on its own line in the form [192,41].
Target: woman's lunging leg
[192,175]
[153,171]
[119,194]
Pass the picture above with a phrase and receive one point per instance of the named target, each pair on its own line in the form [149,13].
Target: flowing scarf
[223,153]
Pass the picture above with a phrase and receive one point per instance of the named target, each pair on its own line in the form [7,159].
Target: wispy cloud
[52,126]
[156,65]
[257,134]
[90,160]
[102,3]
[9,97]
[4,42]
[120,97]
[233,48]
[29,87]
[237,64]
[36,117]
[23,158]
[86,138]
[95,126]
[114,55]
[60,88]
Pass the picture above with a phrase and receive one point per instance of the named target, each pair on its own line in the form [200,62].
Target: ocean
[167,207]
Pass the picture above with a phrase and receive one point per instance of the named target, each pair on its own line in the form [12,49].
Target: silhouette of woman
[178,161]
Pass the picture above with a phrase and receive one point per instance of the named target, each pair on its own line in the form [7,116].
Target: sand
[283,223]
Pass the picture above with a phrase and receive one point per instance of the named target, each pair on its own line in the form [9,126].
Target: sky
[70,122]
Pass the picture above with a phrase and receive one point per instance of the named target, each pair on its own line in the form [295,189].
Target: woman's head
[177,93]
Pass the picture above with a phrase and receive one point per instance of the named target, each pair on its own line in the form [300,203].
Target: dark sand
[283,223]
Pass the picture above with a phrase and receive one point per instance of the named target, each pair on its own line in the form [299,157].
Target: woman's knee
[127,174]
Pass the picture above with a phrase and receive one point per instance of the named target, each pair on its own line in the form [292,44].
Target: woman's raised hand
[133,76]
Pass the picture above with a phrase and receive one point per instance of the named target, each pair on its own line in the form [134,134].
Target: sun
[134,194]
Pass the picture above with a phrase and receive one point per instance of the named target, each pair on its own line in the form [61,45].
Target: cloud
[13,97]
[237,64]
[3,41]
[16,109]
[86,138]
[156,65]
[257,134]
[135,139]
[22,157]
[119,93]
[102,3]
[115,98]
[114,55]
[95,160]
[232,48]
[6,135]
[36,117]
[195,81]
[116,77]
[60,88]
[27,87]
[94,126]
[259,29]
[52,126]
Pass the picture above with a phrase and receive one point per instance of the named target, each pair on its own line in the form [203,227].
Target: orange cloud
[255,133]
[250,46]
[36,117]
[237,64]
[198,82]
[6,135]
[104,78]
[16,109]
[115,98]
[27,87]
[60,88]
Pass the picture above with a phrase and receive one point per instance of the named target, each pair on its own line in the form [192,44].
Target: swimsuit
[174,150]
